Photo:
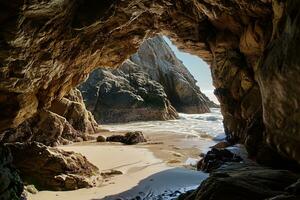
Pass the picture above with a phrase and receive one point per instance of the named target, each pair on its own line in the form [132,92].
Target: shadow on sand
[164,185]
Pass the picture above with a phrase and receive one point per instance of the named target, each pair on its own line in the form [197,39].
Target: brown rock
[48,47]
[129,138]
[101,138]
[66,121]
[53,169]
[134,138]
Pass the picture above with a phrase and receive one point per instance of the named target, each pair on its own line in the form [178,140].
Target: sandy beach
[165,157]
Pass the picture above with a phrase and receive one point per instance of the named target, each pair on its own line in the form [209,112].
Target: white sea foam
[207,125]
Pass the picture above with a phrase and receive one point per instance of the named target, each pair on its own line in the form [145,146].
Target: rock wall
[66,121]
[114,96]
[155,58]
[48,47]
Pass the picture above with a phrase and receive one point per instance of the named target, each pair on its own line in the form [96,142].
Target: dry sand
[151,168]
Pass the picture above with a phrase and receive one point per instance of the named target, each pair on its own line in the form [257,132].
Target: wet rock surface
[215,158]
[53,169]
[129,138]
[247,182]
[114,97]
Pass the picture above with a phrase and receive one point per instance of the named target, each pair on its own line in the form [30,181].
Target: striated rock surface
[66,121]
[51,168]
[155,58]
[114,96]
[50,46]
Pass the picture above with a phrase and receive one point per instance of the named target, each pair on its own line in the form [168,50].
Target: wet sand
[155,168]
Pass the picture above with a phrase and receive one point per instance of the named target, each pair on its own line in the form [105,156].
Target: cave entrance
[154,95]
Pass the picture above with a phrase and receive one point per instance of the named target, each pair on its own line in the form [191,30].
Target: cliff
[145,87]
[48,47]
[114,96]
[66,121]
[155,58]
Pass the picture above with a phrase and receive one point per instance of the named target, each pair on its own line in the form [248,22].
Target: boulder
[114,97]
[215,158]
[238,181]
[134,138]
[101,138]
[129,138]
[52,169]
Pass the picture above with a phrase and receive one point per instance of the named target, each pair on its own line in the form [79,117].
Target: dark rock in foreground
[11,186]
[129,138]
[215,158]
[53,169]
[242,182]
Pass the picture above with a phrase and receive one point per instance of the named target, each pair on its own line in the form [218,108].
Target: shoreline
[164,154]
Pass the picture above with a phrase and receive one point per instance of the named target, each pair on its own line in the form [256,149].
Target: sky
[198,68]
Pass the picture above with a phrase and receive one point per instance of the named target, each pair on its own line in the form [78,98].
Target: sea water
[208,125]
[206,129]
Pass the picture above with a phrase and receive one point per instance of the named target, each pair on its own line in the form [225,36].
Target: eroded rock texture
[115,96]
[155,58]
[66,121]
[53,169]
[49,46]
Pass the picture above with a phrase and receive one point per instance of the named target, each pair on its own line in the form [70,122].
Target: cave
[49,47]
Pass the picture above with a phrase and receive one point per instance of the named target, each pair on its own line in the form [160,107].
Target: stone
[116,138]
[111,173]
[116,97]
[49,47]
[129,138]
[215,158]
[134,138]
[239,181]
[243,41]
[101,138]
[11,185]
[31,189]
[156,58]
[65,122]
[53,169]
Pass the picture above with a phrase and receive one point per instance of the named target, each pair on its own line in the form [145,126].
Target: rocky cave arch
[48,47]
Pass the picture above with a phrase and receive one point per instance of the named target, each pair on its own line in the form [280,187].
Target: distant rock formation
[156,58]
[145,87]
[114,96]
